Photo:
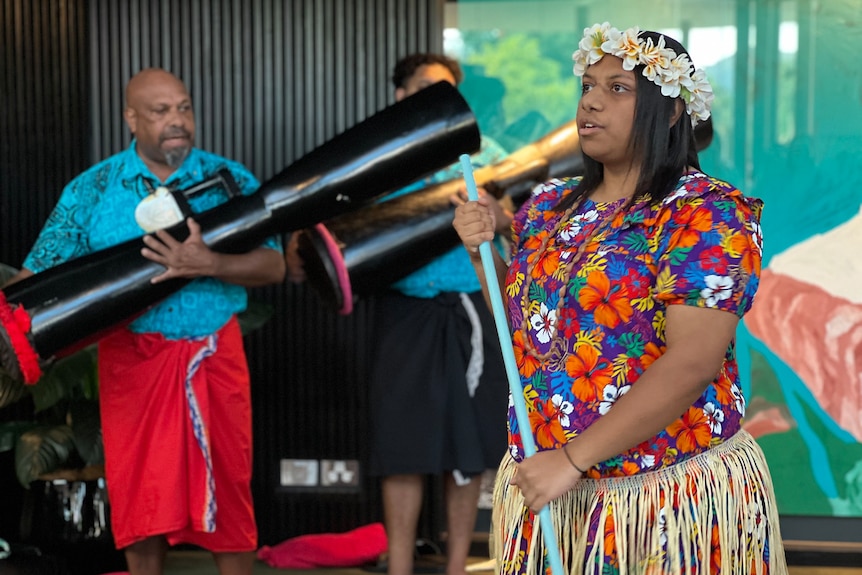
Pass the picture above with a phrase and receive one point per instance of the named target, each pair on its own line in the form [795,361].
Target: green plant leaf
[10,431]
[255,316]
[42,450]
[71,377]
[11,389]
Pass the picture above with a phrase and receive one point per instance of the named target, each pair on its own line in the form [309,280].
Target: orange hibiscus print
[610,538]
[691,430]
[590,374]
[544,262]
[724,389]
[610,304]
[749,258]
[651,353]
[692,222]
[527,364]
[548,263]
[715,546]
[545,422]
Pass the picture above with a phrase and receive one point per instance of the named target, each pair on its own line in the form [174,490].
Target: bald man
[173,384]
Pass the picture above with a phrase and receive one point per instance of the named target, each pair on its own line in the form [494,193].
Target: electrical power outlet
[299,473]
[339,473]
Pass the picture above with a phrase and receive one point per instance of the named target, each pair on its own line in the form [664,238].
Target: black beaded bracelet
[569,457]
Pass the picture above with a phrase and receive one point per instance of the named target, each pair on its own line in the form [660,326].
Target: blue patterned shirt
[453,271]
[96,211]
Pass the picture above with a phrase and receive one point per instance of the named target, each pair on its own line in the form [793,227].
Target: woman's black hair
[664,152]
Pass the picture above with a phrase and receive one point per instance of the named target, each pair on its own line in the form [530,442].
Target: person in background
[623,296]
[438,385]
[173,384]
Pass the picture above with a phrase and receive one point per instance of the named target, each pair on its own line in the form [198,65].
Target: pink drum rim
[340,269]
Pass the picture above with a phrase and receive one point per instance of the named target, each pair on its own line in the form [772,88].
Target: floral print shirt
[97,211]
[701,246]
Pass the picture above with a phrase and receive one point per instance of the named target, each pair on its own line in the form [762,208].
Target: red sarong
[176,420]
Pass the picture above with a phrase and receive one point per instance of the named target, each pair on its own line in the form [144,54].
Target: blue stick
[512,369]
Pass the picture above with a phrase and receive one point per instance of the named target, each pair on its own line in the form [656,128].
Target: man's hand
[295,265]
[188,259]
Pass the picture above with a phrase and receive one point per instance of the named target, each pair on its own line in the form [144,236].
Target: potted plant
[59,456]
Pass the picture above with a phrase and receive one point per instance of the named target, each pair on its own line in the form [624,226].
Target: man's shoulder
[103,170]
[210,163]
[211,160]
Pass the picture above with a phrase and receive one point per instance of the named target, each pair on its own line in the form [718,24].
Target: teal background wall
[788,129]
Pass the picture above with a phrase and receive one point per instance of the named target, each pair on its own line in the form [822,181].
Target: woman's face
[606,112]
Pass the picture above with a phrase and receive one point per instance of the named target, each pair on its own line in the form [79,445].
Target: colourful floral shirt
[701,246]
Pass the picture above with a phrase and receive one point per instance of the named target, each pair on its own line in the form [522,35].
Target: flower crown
[675,74]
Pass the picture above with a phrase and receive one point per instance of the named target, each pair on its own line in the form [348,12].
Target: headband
[673,73]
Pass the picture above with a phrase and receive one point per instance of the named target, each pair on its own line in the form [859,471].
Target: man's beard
[176,156]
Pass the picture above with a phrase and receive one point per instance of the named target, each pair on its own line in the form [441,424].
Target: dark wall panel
[43,137]
[43,113]
[271,80]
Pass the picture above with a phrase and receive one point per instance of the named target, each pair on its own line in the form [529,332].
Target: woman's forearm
[661,396]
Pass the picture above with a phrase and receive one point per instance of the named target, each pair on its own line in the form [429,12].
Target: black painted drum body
[359,254]
[50,312]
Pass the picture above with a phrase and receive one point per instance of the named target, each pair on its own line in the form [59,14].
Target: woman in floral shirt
[623,296]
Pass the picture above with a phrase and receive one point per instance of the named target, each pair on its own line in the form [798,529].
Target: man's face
[423,77]
[160,116]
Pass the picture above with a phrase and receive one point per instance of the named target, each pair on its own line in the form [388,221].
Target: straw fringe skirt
[714,513]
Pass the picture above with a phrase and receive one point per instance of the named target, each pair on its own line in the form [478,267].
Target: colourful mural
[788,129]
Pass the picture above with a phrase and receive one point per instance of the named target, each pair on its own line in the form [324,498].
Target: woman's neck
[616,185]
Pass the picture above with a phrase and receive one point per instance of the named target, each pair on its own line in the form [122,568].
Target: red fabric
[158,477]
[16,323]
[351,549]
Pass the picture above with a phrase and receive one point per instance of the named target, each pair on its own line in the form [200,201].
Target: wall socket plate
[320,475]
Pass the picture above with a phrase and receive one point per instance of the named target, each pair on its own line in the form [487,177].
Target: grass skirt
[713,513]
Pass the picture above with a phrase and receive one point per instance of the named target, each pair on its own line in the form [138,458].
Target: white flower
[662,527]
[514,452]
[756,522]
[757,235]
[573,226]
[673,73]
[718,288]
[590,47]
[698,96]
[564,408]
[672,76]
[647,460]
[570,230]
[655,59]
[676,194]
[625,45]
[543,322]
[739,399]
[714,416]
[588,217]
[610,394]
[546,186]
